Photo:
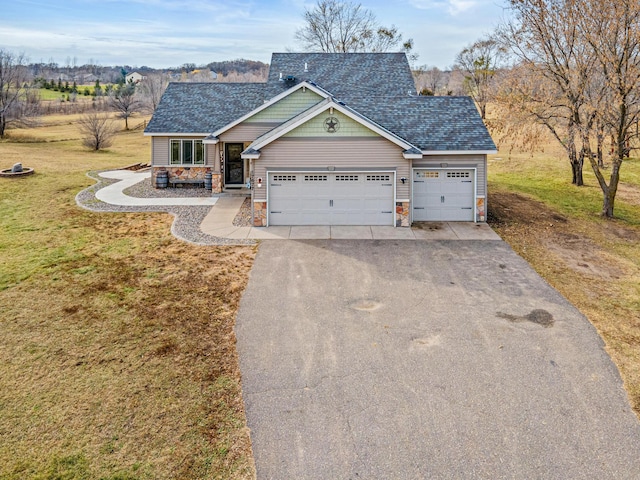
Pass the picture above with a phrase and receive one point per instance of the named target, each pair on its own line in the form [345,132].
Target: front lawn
[117,358]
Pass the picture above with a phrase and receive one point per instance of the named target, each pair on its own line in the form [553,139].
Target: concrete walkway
[113,194]
[219,223]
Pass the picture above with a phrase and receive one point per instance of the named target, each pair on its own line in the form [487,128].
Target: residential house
[329,139]
[133,77]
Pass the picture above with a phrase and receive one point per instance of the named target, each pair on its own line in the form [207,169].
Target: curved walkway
[114,195]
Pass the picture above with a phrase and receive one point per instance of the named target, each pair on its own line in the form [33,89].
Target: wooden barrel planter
[162,180]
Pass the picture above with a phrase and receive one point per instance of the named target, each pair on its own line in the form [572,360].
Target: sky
[169,33]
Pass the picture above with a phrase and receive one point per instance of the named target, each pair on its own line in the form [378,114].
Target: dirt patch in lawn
[629,193]
[582,255]
[593,263]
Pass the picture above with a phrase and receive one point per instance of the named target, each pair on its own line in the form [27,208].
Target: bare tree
[611,29]
[18,101]
[554,69]
[124,101]
[429,80]
[580,77]
[98,129]
[151,89]
[480,62]
[340,27]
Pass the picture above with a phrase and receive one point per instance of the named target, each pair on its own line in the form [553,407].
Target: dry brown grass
[118,355]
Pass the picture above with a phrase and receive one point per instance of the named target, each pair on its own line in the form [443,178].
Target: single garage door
[363,198]
[443,195]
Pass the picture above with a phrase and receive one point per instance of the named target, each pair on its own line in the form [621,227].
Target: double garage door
[443,195]
[360,198]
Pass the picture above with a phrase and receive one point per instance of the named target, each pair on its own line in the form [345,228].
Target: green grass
[118,357]
[50,94]
[548,178]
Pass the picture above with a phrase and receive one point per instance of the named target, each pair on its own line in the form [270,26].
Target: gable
[346,127]
[287,107]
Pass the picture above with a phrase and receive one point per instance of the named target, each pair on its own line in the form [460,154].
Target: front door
[233,164]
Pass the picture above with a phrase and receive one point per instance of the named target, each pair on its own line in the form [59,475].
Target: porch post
[216,161]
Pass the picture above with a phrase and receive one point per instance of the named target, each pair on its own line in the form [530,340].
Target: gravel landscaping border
[187,219]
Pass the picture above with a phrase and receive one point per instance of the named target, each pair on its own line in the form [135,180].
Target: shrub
[98,131]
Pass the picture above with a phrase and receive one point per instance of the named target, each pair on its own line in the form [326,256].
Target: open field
[50,94]
[117,358]
[593,262]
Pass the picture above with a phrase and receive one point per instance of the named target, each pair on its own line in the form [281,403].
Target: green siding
[288,107]
[347,128]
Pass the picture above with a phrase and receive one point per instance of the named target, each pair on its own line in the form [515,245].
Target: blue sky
[168,33]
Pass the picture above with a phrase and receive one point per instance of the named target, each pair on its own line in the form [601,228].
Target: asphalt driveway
[424,359]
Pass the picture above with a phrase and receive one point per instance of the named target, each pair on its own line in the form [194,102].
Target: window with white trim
[186,152]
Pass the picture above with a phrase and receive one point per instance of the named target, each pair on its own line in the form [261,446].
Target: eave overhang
[459,152]
[174,134]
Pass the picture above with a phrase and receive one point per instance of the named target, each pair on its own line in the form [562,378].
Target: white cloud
[459,6]
[453,7]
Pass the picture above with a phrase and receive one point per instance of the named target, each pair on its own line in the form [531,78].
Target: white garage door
[331,198]
[443,195]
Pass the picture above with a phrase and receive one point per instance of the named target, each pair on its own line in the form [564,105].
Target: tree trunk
[483,111]
[576,163]
[576,168]
[607,204]
[3,125]
[608,191]
[600,137]
[609,194]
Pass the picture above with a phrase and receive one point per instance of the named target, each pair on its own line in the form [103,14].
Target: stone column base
[402,214]
[260,214]
[481,214]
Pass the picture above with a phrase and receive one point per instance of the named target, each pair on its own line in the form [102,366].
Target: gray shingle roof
[346,75]
[431,123]
[203,107]
[376,85]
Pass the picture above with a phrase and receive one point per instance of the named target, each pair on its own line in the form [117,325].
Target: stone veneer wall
[188,173]
[216,183]
[402,214]
[260,214]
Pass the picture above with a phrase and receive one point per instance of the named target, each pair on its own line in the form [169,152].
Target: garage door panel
[331,199]
[443,195]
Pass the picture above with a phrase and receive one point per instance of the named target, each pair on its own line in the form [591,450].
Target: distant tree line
[239,66]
